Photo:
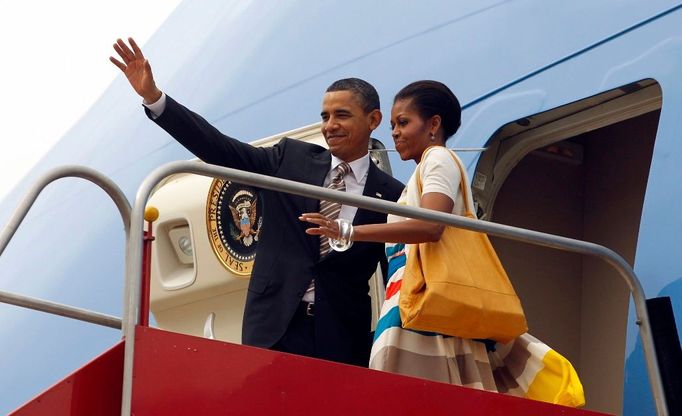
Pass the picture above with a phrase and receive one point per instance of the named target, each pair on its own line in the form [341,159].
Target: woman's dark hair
[431,98]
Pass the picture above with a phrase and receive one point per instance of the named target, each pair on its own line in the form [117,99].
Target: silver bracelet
[345,238]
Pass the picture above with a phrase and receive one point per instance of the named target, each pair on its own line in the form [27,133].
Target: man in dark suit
[300,300]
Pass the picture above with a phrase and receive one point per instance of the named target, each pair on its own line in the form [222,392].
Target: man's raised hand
[137,69]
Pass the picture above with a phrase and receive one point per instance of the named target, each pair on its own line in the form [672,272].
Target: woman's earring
[433,137]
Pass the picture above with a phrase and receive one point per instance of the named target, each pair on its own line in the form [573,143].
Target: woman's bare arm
[409,231]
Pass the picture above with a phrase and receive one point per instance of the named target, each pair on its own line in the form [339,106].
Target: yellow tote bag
[457,286]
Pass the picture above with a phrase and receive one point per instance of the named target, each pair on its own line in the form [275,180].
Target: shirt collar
[359,167]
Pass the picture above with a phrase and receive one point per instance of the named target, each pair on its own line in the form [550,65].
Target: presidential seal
[234,219]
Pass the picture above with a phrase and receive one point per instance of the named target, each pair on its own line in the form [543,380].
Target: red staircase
[177,374]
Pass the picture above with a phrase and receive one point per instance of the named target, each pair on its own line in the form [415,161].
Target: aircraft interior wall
[579,305]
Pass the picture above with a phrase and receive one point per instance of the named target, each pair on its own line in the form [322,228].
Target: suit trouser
[299,337]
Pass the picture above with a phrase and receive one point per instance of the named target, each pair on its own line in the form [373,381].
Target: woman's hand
[325,226]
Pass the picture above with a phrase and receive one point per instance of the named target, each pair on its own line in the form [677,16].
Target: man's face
[345,125]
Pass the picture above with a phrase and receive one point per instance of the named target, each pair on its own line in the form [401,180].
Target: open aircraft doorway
[578,171]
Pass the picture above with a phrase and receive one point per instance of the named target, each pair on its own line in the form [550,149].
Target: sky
[54,65]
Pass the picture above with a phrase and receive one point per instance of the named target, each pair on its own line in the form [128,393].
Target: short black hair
[369,98]
[431,98]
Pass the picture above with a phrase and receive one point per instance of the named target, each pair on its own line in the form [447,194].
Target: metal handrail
[134,254]
[60,309]
[18,216]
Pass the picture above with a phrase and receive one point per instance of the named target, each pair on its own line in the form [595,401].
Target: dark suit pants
[300,335]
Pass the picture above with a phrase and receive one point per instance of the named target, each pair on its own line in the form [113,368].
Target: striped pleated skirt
[524,367]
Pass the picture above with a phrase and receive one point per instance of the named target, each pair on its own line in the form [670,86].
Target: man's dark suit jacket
[288,259]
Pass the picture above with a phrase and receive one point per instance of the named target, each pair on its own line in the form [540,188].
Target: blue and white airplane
[577,104]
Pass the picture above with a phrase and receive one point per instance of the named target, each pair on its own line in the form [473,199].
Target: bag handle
[463,185]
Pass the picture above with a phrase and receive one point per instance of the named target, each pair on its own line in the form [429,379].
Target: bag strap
[463,185]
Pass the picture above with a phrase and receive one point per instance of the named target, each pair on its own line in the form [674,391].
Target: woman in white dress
[424,116]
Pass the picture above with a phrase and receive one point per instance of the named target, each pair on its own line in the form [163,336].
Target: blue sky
[55,66]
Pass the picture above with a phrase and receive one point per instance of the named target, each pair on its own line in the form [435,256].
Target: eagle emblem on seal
[244,215]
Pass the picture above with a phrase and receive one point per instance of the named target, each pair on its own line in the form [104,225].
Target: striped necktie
[331,209]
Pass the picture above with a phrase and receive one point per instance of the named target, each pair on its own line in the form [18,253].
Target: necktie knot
[340,172]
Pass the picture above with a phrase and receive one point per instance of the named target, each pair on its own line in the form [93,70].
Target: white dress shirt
[355,184]
[157,108]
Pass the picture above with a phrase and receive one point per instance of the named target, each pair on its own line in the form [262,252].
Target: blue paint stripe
[571,56]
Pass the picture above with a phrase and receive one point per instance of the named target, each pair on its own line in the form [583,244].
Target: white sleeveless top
[439,173]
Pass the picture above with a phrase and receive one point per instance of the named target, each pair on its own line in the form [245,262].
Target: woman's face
[410,132]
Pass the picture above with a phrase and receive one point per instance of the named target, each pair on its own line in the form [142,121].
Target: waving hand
[137,69]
